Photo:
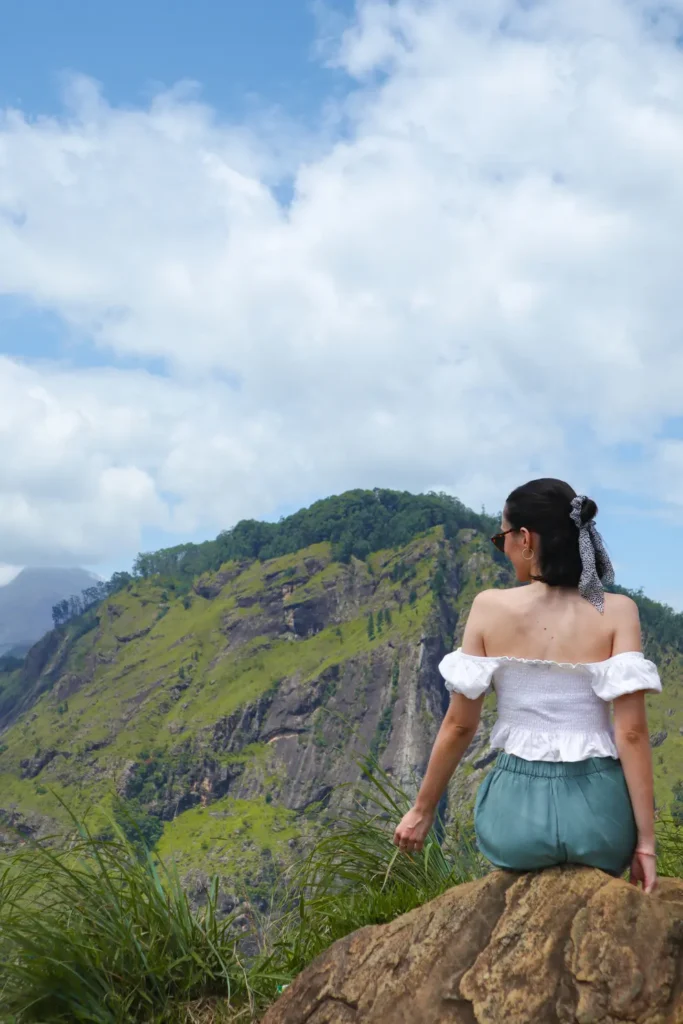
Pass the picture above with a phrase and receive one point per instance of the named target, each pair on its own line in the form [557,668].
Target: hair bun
[589,510]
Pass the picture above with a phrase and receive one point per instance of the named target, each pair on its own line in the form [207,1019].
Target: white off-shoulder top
[550,710]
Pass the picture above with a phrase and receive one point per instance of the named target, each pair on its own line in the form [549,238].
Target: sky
[255,254]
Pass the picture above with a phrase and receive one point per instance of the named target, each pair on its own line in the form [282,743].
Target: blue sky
[429,244]
[240,53]
[242,56]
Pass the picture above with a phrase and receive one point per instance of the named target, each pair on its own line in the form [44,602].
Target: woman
[570,784]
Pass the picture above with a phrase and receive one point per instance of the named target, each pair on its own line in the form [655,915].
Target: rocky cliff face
[382,693]
[232,716]
[258,690]
[564,946]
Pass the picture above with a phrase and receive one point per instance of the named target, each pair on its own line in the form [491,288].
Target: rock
[467,535]
[133,636]
[41,669]
[67,685]
[97,745]
[32,766]
[487,759]
[210,584]
[657,738]
[307,617]
[17,826]
[568,945]
[125,777]
[178,689]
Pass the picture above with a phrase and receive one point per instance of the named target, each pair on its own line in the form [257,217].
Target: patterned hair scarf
[596,567]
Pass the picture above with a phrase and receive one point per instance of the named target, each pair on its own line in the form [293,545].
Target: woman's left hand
[644,870]
[412,831]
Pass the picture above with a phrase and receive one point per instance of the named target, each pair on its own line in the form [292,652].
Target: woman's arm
[633,743]
[454,737]
[632,739]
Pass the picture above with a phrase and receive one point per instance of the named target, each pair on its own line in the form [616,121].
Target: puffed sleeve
[467,674]
[625,673]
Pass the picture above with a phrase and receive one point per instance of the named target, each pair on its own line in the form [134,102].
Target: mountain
[222,695]
[26,604]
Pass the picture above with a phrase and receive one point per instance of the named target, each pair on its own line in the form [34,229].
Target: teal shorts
[536,814]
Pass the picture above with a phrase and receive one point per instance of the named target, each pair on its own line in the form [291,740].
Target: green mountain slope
[222,702]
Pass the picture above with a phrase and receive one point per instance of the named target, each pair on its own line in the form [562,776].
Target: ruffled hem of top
[551,746]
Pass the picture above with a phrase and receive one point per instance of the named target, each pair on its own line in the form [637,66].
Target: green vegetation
[140,828]
[10,663]
[175,715]
[101,933]
[97,931]
[158,682]
[662,626]
[165,657]
[100,930]
[229,832]
[11,688]
[355,523]
[80,604]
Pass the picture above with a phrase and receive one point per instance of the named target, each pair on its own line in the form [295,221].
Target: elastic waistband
[556,769]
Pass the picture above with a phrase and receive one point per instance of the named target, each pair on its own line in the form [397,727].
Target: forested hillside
[220,695]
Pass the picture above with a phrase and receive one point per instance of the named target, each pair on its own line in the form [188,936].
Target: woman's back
[553,624]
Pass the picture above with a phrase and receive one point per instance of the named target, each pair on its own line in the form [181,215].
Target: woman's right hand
[644,869]
[413,829]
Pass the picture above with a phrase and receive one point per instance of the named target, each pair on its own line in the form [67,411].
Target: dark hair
[543,506]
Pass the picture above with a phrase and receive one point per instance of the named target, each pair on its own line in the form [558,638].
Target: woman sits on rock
[571,784]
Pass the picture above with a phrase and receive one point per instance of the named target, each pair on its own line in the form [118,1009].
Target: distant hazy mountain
[26,603]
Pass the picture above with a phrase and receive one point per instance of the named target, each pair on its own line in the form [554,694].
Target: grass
[231,831]
[669,848]
[355,876]
[103,932]
[98,932]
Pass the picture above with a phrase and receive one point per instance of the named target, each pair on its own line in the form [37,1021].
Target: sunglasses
[498,539]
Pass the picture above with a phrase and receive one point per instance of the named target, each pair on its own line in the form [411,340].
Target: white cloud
[8,573]
[479,265]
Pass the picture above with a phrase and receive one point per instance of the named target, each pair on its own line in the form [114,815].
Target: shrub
[670,848]
[355,876]
[101,931]
[95,932]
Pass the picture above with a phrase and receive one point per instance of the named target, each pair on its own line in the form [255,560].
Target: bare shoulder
[487,607]
[492,612]
[623,619]
[494,601]
[621,608]
[493,598]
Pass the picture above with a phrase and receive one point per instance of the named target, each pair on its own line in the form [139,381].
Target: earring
[531,555]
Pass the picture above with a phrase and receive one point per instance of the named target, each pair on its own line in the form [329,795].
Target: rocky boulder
[565,946]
